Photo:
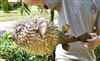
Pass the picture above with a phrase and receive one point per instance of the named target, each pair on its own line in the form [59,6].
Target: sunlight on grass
[15,14]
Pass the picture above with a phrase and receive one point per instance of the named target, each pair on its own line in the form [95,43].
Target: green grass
[9,16]
[15,14]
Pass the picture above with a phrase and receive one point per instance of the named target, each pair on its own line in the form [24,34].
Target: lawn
[15,14]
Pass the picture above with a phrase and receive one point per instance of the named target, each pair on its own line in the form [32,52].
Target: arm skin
[95,41]
[34,2]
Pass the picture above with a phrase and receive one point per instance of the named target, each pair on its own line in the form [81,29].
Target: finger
[89,47]
[86,46]
[89,44]
[84,43]
[93,34]
[91,40]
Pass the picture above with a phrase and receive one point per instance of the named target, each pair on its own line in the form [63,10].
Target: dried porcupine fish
[38,36]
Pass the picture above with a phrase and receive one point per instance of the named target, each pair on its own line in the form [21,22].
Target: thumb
[91,40]
[93,34]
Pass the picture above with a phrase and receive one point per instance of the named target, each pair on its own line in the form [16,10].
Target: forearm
[34,2]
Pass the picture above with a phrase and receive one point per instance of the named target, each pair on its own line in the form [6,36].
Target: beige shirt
[81,15]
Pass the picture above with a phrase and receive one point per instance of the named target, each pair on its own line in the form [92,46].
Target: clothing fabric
[81,16]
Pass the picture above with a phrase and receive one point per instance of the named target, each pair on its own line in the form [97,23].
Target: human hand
[92,43]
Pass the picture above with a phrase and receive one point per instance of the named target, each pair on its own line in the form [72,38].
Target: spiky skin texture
[38,36]
[35,35]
